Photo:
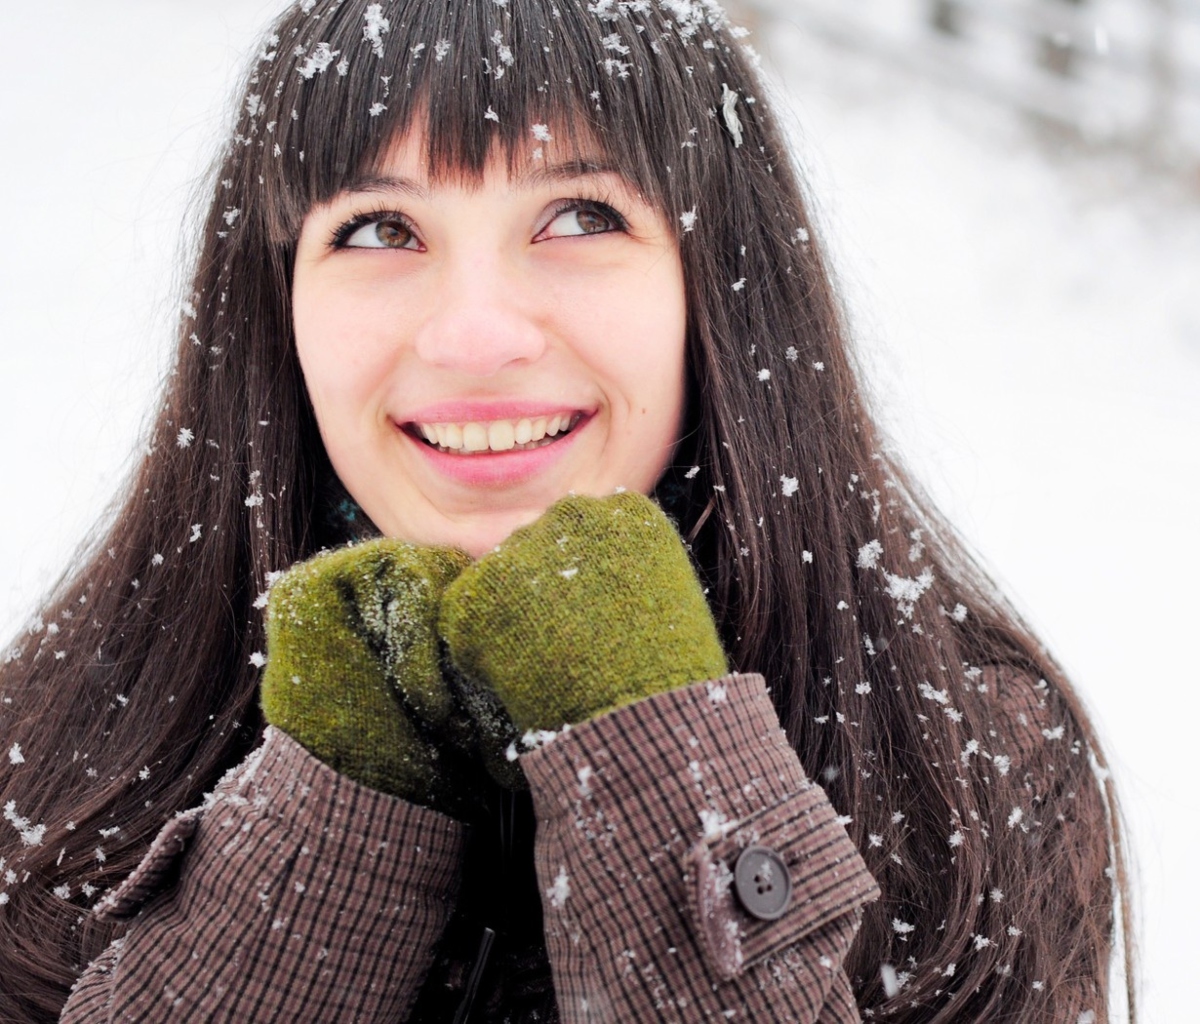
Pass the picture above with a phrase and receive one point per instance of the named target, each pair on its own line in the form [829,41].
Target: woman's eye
[388,233]
[583,220]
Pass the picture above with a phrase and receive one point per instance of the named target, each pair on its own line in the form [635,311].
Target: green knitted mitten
[593,606]
[354,670]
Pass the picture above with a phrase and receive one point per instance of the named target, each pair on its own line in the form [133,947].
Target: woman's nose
[480,321]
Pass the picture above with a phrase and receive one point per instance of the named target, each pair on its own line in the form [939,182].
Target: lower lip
[499,469]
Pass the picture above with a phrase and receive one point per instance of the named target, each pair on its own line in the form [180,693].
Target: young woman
[513,741]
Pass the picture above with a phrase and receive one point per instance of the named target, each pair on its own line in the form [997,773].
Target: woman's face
[474,353]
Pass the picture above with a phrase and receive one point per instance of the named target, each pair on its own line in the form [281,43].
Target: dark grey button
[762,883]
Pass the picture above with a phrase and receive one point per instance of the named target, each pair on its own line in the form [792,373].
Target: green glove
[592,606]
[354,670]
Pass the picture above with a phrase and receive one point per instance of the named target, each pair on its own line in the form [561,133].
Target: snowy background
[1029,312]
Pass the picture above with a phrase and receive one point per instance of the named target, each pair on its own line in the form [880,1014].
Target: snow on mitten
[354,670]
[593,606]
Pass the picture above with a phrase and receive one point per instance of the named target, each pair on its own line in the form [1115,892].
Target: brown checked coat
[295,894]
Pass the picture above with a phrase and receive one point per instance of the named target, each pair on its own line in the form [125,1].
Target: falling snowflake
[541,132]
[790,485]
[503,51]
[585,781]
[729,100]
[375,27]
[929,693]
[714,823]
[184,438]
[318,61]
[31,835]
[560,891]
[14,754]
[869,554]
[906,592]
[258,659]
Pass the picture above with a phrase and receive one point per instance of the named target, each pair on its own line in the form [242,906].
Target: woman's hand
[354,670]
[592,606]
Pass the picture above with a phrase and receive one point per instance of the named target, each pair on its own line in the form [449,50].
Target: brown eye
[387,231]
[393,234]
[590,221]
[584,218]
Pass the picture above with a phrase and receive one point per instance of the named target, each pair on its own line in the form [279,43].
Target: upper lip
[485,411]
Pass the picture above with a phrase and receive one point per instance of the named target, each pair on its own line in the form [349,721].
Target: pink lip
[493,469]
[468,411]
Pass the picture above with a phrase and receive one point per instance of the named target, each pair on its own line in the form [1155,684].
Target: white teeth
[497,435]
[474,437]
[501,436]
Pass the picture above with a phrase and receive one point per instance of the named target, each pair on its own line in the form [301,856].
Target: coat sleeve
[643,817]
[294,894]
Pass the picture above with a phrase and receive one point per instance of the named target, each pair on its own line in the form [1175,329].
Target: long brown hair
[903,680]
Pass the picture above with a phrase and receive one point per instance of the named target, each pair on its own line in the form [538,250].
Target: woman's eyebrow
[563,172]
[528,179]
[374,183]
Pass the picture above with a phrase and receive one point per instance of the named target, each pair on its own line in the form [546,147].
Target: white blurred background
[1014,202]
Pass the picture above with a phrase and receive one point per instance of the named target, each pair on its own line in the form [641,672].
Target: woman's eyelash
[342,235]
[593,206]
[344,231]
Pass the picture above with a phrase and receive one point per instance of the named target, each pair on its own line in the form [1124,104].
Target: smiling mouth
[476,438]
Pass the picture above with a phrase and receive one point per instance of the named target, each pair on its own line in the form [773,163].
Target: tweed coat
[295,894]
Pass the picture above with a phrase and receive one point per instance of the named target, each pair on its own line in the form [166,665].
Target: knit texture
[593,606]
[354,670]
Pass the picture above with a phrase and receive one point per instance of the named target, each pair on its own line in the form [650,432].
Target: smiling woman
[476,349]
[512,385]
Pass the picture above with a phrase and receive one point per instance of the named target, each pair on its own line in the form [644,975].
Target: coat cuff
[283,784]
[707,770]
